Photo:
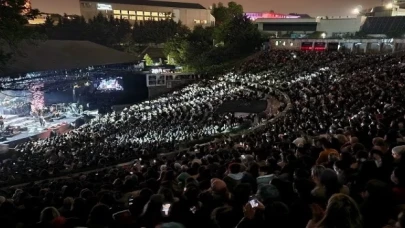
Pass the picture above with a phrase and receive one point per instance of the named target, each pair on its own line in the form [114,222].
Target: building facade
[349,45]
[340,26]
[299,27]
[190,14]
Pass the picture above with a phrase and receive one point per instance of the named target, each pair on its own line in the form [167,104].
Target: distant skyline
[311,7]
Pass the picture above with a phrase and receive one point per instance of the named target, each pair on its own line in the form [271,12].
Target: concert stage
[34,130]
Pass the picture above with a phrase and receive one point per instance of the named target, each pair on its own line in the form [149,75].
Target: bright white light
[389,5]
[101,6]
[323,35]
[356,11]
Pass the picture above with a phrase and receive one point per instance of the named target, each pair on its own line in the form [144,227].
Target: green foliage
[148,60]
[223,14]
[111,32]
[210,49]
[14,17]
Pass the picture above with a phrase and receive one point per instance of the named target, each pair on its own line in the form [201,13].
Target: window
[85,4]
[139,18]
[155,18]
[146,13]
[124,11]
[155,14]
[117,11]
[162,18]
[132,18]
[148,18]
[204,21]
[197,21]
[131,12]
[125,17]
[162,14]
[117,16]
[139,12]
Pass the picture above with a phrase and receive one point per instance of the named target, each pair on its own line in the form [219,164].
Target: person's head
[342,211]
[48,214]
[376,155]
[218,186]
[316,172]
[376,190]
[100,216]
[268,193]
[303,187]
[398,152]
[339,166]
[330,181]
[167,194]
[401,220]
[325,143]
[234,168]
[398,176]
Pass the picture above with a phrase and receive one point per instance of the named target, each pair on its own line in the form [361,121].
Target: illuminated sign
[270,15]
[104,6]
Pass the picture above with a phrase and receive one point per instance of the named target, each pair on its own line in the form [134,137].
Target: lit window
[284,43]
[291,44]
[139,18]
[146,13]
[162,14]
[205,22]
[117,16]
[162,18]
[117,11]
[155,14]
[139,12]
[148,18]
[124,11]
[125,17]
[132,18]
[131,12]
[155,18]
[277,43]
[197,21]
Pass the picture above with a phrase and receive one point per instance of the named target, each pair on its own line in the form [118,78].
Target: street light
[356,11]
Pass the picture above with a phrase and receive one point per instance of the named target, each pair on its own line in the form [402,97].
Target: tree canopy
[14,16]
[233,37]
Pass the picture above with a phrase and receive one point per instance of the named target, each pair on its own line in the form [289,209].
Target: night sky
[311,7]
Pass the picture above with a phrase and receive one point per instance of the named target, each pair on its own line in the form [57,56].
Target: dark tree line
[111,32]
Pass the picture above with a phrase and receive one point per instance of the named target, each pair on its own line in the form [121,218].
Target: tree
[239,34]
[148,60]
[14,15]
[223,14]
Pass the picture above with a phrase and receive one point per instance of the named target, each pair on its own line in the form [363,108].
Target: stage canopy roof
[63,55]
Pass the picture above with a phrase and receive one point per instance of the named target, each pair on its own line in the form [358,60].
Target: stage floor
[34,128]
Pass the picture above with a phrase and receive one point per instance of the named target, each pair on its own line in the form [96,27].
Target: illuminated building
[270,15]
[190,14]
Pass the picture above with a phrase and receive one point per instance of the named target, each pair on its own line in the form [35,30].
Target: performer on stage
[42,121]
[1,122]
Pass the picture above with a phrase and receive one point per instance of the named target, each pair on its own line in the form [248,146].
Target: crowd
[335,159]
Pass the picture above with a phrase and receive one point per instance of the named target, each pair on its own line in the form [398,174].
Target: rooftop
[186,5]
[63,55]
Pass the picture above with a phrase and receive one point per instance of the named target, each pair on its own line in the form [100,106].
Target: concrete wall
[353,45]
[189,17]
[335,27]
